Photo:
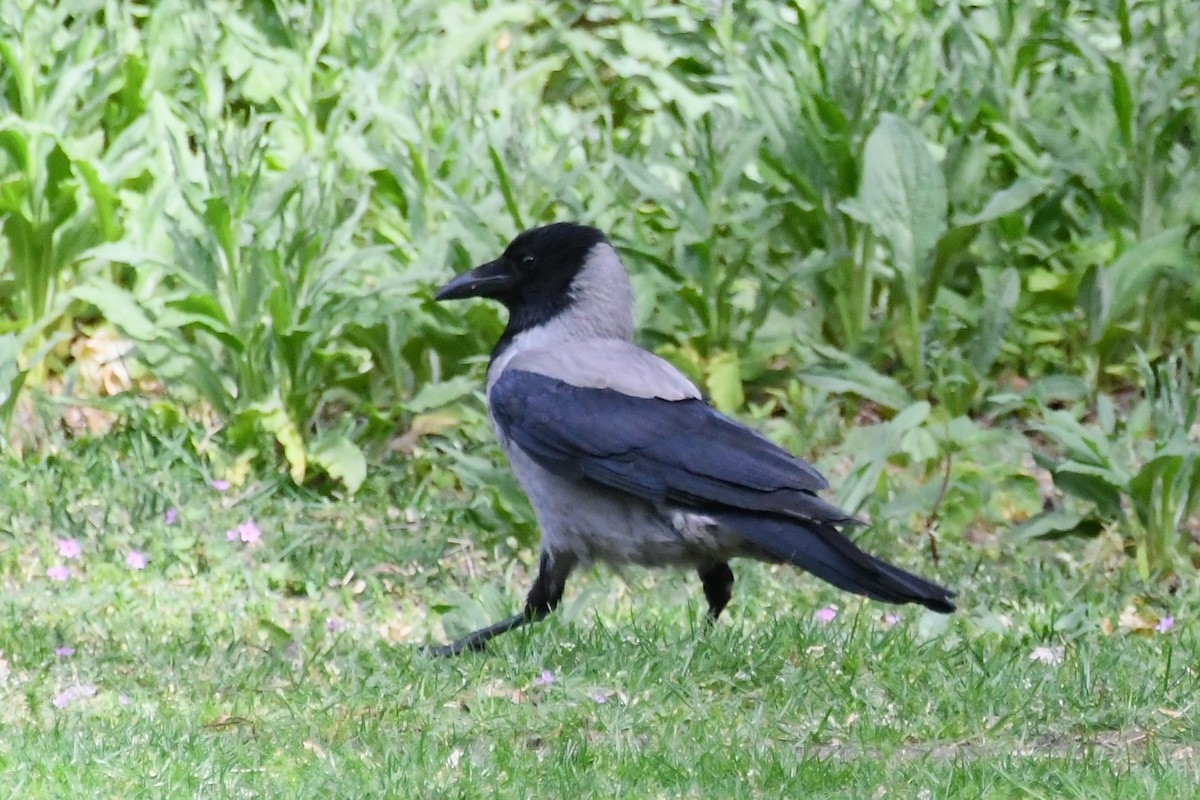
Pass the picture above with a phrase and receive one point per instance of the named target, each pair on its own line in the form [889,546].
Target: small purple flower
[248,532]
[69,548]
[826,614]
[335,624]
[890,619]
[1165,624]
[545,679]
[65,652]
[599,697]
[123,699]
[58,572]
[135,560]
[80,691]
[171,515]
[220,485]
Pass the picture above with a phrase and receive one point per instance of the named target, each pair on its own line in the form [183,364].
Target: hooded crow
[622,458]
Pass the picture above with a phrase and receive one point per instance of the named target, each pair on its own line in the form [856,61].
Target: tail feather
[819,548]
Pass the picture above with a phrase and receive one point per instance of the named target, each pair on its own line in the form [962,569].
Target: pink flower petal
[65,652]
[826,615]
[58,572]
[69,548]
[80,691]
[135,560]
[249,532]
[220,485]
[334,624]
[545,679]
[171,515]
[1165,624]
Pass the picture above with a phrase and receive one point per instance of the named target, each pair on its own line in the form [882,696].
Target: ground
[282,658]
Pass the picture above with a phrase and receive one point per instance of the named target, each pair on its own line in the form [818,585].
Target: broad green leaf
[11,377]
[910,417]
[181,366]
[1081,443]
[221,225]
[342,460]
[1058,389]
[1166,489]
[122,253]
[119,307]
[274,419]
[1122,101]
[443,393]
[1095,296]
[103,197]
[1049,525]
[1000,294]
[1095,484]
[645,45]
[197,305]
[14,142]
[723,380]
[1106,414]
[883,440]
[1130,275]
[1012,198]
[920,445]
[902,195]
[843,373]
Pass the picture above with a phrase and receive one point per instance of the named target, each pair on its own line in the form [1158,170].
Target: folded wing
[680,451]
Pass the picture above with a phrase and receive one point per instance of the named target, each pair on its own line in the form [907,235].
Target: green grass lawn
[289,666]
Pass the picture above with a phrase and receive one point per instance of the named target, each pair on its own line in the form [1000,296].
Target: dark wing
[680,451]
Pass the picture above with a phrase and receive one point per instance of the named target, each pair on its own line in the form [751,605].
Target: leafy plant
[70,147]
[1140,473]
[902,198]
[260,312]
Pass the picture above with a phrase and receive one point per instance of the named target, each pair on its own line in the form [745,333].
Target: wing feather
[680,451]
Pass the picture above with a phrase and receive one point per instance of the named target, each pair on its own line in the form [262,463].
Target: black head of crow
[623,460]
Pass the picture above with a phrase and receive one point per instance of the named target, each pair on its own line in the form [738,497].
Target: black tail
[819,548]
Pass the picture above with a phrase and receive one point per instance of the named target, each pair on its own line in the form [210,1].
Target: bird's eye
[527,262]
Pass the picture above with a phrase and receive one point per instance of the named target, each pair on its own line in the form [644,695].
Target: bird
[621,456]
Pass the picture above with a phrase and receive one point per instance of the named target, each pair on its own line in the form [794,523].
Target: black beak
[492,279]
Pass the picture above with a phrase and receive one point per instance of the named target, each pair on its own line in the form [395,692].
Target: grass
[289,667]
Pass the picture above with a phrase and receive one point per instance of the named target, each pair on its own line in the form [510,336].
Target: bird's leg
[543,598]
[717,580]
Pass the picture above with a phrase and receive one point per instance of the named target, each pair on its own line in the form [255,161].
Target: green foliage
[902,197]
[71,162]
[267,310]
[1139,471]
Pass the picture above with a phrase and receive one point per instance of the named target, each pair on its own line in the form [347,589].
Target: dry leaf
[1132,621]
